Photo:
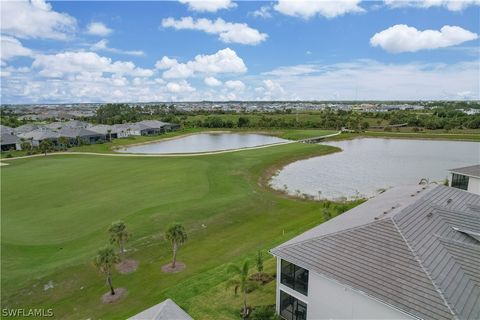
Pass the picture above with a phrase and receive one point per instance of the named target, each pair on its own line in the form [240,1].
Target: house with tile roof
[412,252]
[166,310]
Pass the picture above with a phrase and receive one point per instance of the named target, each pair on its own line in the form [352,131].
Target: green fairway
[56,210]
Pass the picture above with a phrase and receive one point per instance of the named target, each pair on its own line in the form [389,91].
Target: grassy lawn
[56,210]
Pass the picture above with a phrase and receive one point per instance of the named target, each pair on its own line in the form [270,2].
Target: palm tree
[46,146]
[177,236]
[119,235]
[241,282]
[104,261]
[109,132]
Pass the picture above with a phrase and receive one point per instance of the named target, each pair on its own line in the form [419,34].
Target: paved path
[117,154]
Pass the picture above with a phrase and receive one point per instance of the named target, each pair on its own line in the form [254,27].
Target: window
[459,181]
[294,277]
[291,308]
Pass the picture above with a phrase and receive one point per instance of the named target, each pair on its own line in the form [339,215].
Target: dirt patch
[179,266]
[127,266]
[119,294]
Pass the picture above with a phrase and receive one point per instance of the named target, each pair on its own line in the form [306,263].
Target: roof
[419,259]
[40,134]
[166,310]
[26,128]
[6,129]
[103,129]
[472,171]
[6,138]
[77,132]
[154,124]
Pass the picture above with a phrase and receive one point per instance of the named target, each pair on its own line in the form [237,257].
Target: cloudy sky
[239,50]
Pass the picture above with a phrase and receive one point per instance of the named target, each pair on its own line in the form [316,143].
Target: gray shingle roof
[103,129]
[6,138]
[39,134]
[166,310]
[26,128]
[473,171]
[77,132]
[412,259]
[6,129]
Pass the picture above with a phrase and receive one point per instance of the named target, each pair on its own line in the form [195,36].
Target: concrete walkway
[169,154]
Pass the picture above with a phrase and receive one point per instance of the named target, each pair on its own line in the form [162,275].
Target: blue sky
[244,50]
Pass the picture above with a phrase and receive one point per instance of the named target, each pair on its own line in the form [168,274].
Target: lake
[204,142]
[367,165]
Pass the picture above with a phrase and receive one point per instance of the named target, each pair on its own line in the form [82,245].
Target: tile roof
[6,138]
[473,171]
[39,134]
[414,259]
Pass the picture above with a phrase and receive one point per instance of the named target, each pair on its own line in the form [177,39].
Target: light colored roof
[39,134]
[26,128]
[154,124]
[77,124]
[54,125]
[77,132]
[6,138]
[413,259]
[166,310]
[103,129]
[6,129]
[472,171]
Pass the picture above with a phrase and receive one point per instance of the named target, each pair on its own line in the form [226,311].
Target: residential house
[73,134]
[410,253]
[38,135]
[110,132]
[122,130]
[167,310]
[9,142]
[466,178]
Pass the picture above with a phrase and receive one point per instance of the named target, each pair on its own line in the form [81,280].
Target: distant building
[167,310]
[38,135]
[466,178]
[409,253]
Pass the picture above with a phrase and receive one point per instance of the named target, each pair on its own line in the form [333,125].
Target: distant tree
[259,261]
[119,235]
[241,282]
[46,146]
[243,122]
[177,236]
[104,261]
[365,125]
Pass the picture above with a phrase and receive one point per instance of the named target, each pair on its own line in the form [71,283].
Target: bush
[264,313]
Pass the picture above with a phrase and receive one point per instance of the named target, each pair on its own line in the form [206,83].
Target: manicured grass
[56,210]
[299,134]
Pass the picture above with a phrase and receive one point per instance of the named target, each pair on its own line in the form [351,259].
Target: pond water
[365,166]
[204,142]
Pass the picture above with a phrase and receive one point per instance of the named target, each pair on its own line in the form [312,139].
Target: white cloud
[227,32]
[98,29]
[208,5]
[262,12]
[212,82]
[402,38]
[166,63]
[179,87]
[223,61]
[35,19]
[235,85]
[373,80]
[452,5]
[307,9]
[71,63]
[102,45]
[300,69]
[11,48]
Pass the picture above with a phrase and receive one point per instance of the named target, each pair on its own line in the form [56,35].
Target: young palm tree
[104,261]
[63,141]
[119,235]
[240,282]
[177,236]
[46,146]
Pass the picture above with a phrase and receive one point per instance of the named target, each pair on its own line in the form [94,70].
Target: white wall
[328,299]
[474,185]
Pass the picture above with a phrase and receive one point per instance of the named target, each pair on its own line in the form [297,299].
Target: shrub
[264,313]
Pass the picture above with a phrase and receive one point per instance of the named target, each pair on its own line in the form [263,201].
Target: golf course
[56,211]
